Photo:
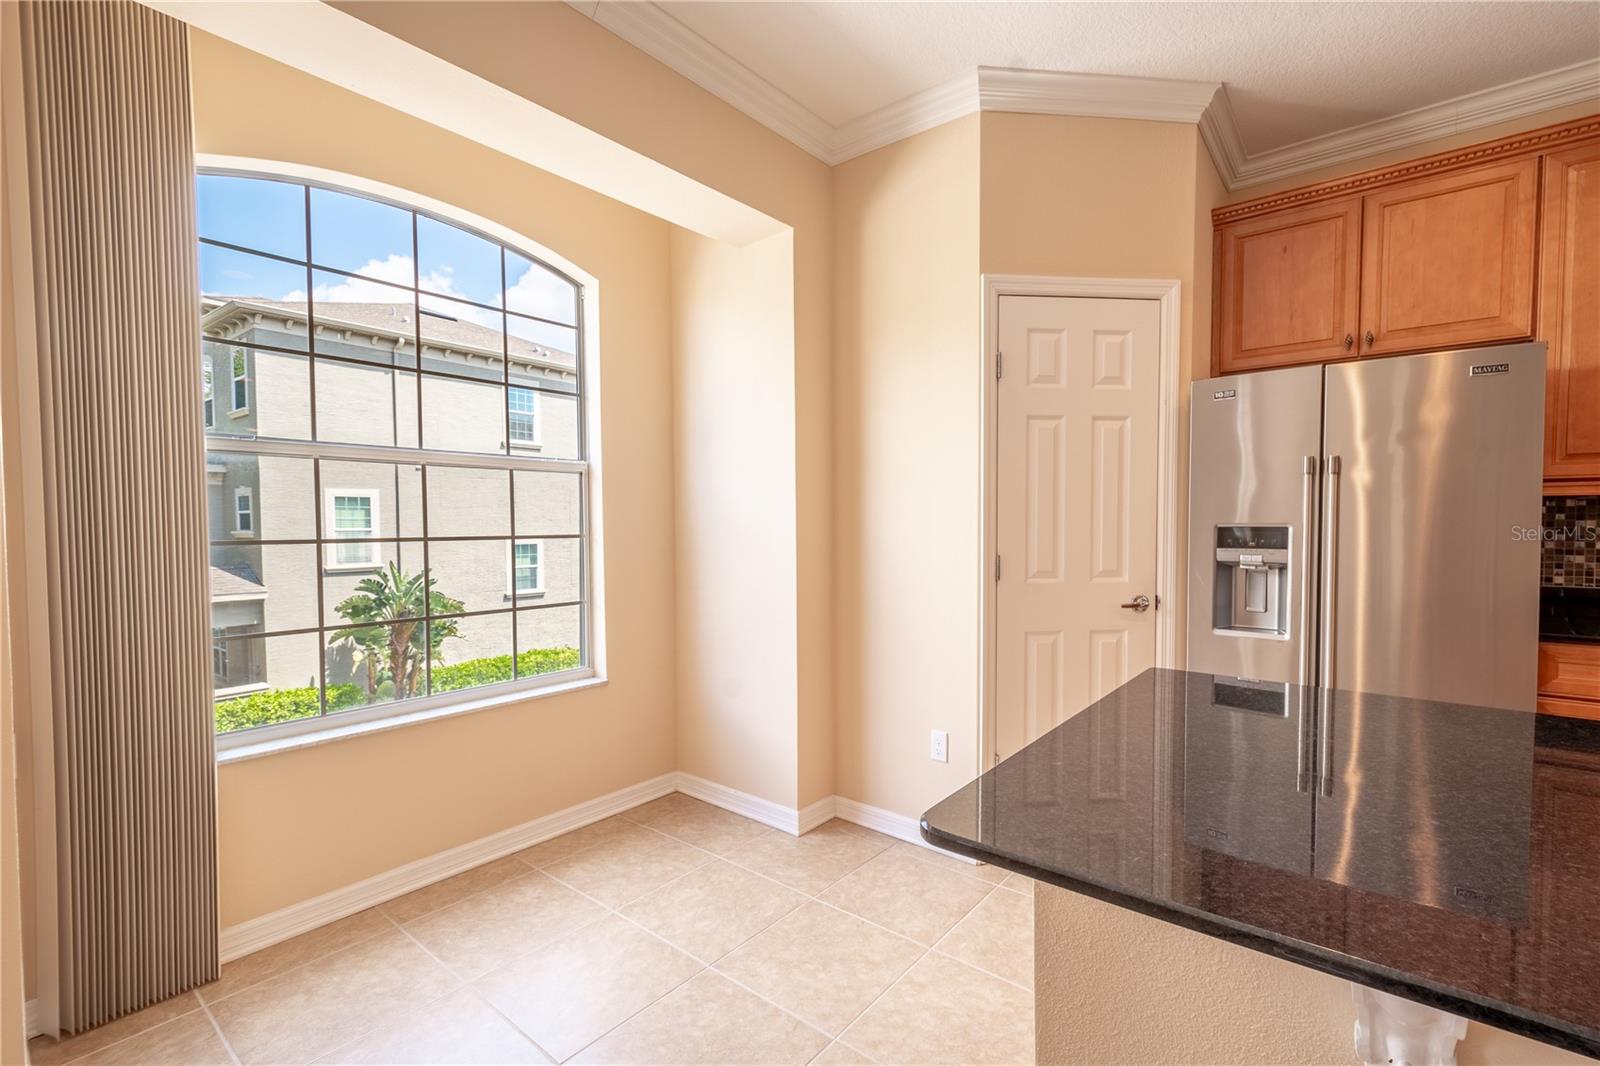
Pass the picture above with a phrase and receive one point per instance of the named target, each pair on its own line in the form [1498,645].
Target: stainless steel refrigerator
[1371,526]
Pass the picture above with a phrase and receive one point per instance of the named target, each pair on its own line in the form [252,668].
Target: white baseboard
[888,823]
[811,817]
[731,799]
[297,918]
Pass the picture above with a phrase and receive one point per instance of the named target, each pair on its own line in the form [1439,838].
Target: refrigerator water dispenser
[1251,587]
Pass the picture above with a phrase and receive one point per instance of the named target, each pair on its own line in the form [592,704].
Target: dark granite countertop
[1444,853]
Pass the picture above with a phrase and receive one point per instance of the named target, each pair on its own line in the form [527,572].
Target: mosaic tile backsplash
[1571,541]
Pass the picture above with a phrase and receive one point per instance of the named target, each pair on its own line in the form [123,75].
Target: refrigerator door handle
[1308,506]
[1324,741]
[1330,575]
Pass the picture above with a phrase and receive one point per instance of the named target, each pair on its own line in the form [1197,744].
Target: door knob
[1370,338]
[1349,341]
[1140,603]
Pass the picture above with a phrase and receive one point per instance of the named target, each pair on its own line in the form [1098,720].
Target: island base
[1391,1031]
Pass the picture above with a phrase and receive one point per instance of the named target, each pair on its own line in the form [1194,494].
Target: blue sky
[361,236]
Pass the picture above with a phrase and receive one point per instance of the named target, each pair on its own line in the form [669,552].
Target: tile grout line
[301,965]
[705,966]
[917,962]
[471,987]
[123,1040]
[980,969]
[816,897]
[990,886]
[227,1045]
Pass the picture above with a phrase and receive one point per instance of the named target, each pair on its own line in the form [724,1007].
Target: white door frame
[1167,293]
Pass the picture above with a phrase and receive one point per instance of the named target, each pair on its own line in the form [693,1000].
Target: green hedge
[287,704]
[476,672]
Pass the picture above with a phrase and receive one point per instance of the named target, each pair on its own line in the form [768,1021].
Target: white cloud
[539,292]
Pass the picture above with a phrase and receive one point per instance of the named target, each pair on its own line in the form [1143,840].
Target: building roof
[394,321]
[235,579]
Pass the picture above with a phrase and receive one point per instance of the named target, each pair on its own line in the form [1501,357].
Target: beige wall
[411,792]
[565,62]
[1093,197]
[1160,993]
[1054,196]
[734,440]
[906,303]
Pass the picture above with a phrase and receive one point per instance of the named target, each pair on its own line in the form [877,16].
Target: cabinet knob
[1349,341]
[1369,338]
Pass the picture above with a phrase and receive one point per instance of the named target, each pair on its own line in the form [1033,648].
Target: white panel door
[1076,493]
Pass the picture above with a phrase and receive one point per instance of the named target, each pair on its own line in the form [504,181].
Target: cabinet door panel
[1569,310]
[1287,286]
[1448,261]
[1569,670]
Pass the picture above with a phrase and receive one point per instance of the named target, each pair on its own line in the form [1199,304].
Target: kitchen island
[1443,859]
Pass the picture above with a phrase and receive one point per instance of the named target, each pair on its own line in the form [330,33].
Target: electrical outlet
[939,746]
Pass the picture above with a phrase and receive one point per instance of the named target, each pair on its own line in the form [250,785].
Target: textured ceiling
[1292,71]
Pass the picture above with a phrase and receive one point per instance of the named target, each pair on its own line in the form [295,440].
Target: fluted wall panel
[111,188]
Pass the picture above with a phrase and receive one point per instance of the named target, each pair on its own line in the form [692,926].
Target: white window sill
[239,747]
[525,594]
[244,534]
[239,412]
[239,690]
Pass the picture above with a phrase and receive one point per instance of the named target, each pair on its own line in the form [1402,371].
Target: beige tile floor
[673,933]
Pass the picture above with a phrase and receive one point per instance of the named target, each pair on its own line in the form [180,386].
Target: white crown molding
[954,99]
[1579,83]
[655,31]
[1048,92]
[1220,134]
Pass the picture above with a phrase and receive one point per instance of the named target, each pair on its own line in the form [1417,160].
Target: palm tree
[386,613]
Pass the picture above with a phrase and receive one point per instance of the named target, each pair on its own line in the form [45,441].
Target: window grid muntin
[372,364]
[339,451]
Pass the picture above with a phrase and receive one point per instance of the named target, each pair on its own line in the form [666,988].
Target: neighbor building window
[416,419]
[241,383]
[210,413]
[244,515]
[523,415]
[354,520]
[525,568]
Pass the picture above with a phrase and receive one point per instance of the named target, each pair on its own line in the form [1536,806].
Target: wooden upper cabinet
[1569,310]
[1287,287]
[1449,260]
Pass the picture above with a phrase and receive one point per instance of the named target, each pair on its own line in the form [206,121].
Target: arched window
[399,400]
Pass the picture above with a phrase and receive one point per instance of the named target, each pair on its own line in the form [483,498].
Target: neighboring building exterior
[368,393]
